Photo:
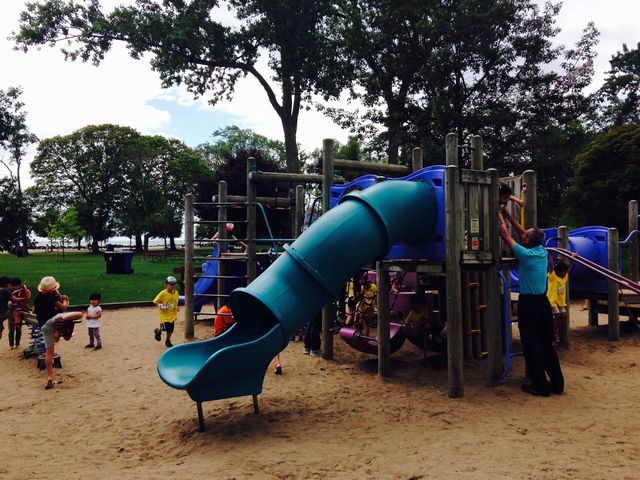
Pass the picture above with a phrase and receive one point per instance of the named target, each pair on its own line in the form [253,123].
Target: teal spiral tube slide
[309,273]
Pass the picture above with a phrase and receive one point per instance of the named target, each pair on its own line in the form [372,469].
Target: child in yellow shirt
[557,280]
[167,301]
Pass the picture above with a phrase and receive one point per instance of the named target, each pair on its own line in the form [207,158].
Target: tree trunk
[290,128]
[146,243]
[94,246]
[172,244]
[139,247]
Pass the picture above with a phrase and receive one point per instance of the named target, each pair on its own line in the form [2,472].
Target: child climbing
[167,301]
[366,308]
[20,296]
[94,316]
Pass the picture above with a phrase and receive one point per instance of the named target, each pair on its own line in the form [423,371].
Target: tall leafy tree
[190,46]
[12,217]
[15,138]
[66,228]
[607,175]
[620,93]
[84,170]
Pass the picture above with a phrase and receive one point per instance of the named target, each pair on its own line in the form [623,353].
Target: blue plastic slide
[361,229]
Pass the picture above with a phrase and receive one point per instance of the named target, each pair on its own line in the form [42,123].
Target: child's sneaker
[91,345]
[315,353]
[98,346]
[306,351]
[278,370]
[157,334]
[168,344]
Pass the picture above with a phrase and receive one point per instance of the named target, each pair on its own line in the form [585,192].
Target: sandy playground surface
[113,418]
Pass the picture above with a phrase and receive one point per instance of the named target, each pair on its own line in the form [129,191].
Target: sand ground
[113,418]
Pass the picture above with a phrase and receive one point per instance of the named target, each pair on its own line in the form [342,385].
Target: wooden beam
[493,336]
[299,212]
[370,167]
[251,221]
[453,241]
[416,159]
[266,201]
[451,149]
[613,297]
[477,153]
[531,201]
[188,266]
[328,311]
[384,349]
[276,177]
[633,246]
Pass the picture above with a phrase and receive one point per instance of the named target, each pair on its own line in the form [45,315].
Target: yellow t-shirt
[171,301]
[557,289]
[369,293]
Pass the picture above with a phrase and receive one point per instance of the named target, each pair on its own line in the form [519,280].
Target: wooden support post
[633,246]
[200,416]
[328,311]
[563,242]
[531,201]
[453,242]
[222,234]
[251,221]
[477,153]
[416,159]
[466,315]
[613,297]
[188,266]
[384,349]
[493,332]
[299,213]
[451,149]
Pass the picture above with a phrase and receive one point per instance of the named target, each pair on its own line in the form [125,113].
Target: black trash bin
[119,262]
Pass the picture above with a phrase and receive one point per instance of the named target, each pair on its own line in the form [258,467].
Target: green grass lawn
[83,273]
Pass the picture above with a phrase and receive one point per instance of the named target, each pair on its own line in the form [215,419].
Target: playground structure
[438,222]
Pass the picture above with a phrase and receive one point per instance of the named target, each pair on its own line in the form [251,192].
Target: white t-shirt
[92,311]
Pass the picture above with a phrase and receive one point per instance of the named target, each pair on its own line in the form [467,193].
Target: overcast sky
[61,96]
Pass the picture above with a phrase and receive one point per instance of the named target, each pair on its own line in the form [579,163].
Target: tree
[15,137]
[66,228]
[620,93]
[190,47]
[156,174]
[12,217]
[84,170]
[231,140]
[607,175]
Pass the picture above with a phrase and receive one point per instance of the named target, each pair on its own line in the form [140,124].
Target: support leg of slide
[200,416]
[256,410]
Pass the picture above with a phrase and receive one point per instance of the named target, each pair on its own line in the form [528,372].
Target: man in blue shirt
[535,319]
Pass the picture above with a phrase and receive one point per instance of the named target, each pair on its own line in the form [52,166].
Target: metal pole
[299,212]
[633,246]
[384,349]
[328,314]
[613,297]
[251,221]
[563,242]
[453,241]
[416,159]
[477,153]
[188,266]
[222,234]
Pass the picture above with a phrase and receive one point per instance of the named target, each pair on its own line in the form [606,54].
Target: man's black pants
[535,321]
